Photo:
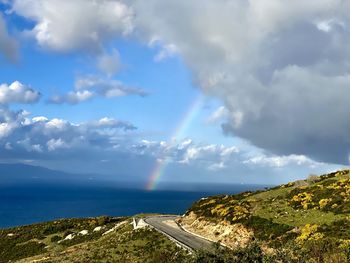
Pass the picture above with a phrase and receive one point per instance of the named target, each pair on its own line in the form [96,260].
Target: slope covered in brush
[304,216]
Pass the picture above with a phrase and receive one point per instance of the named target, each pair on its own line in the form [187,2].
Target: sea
[28,204]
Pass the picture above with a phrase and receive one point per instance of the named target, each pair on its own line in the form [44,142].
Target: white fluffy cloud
[280,161]
[89,87]
[17,93]
[65,25]
[110,146]
[216,157]
[8,45]
[19,132]
[188,151]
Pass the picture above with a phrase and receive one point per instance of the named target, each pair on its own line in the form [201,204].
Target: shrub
[324,202]
[55,238]
[309,232]
[265,229]
[19,251]
[302,200]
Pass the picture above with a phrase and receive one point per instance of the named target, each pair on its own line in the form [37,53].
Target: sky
[200,91]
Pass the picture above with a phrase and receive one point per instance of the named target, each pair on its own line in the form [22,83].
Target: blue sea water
[21,205]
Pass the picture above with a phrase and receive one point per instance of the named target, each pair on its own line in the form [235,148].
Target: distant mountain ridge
[306,221]
[18,173]
[22,173]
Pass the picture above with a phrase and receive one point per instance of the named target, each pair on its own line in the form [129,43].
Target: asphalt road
[167,225]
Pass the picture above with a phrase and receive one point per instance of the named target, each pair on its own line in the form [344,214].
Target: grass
[286,214]
[304,221]
[45,242]
[25,241]
[123,245]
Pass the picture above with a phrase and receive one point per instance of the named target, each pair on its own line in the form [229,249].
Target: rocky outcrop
[231,235]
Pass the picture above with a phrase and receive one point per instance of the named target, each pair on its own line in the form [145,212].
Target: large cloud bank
[281,68]
[113,147]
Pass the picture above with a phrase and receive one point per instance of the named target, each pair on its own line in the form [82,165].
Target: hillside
[101,239]
[303,221]
[295,222]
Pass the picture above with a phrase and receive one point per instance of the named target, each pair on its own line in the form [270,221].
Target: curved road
[167,225]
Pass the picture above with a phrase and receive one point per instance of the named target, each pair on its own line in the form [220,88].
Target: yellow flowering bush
[332,195]
[220,210]
[240,212]
[303,200]
[309,232]
[290,184]
[334,206]
[344,243]
[324,202]
[343,186]
[343,172]
[231,213]
[208,203]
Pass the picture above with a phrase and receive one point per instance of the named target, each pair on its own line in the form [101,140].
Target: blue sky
[112,82]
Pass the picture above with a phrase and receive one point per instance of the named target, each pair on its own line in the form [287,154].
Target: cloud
[187,152]
[188,160]
[20,134]
[166,50]
[109,63]
[18,93]
[73,97]
[280,161]
[29,146]
[280,68]
[8,45]
[112,147]
[89,87]
[66,26]
[55,144]
[219,115]
[112,123]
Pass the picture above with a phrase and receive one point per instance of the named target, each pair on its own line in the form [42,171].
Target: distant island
[303,221]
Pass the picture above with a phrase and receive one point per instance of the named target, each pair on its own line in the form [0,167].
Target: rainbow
[181,128]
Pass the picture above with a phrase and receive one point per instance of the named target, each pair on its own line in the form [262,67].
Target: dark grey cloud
[8,45]
[282,69]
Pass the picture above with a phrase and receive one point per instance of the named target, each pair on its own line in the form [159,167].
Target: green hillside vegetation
[45,242]
[303,221]
[26,241]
